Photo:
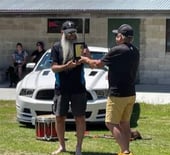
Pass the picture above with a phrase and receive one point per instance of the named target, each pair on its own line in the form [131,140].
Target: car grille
[43,113]
[101,114]
[26,112]
[48,94]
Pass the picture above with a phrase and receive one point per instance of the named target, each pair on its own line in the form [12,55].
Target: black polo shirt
[69,81]
[123,61]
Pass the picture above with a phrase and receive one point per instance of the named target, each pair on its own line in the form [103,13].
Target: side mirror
[30,65]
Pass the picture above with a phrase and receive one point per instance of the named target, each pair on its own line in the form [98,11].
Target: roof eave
[131,11]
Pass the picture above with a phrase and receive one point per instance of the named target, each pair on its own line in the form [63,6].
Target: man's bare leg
[80,129]
[60,128]
[125,126]
[121,137]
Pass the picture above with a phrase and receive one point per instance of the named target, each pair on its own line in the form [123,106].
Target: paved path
[7,93]
[153,94]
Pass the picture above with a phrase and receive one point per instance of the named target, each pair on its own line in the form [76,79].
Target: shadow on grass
[135,115]
[95,153]
[98,153]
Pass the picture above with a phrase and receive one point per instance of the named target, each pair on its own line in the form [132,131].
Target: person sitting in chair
[19,60]
[37,54]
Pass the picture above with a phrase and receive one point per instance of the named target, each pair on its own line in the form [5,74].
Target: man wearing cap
[69,86]
[123,61]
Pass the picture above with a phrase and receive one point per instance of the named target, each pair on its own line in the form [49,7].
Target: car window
[97,55]
[45,62]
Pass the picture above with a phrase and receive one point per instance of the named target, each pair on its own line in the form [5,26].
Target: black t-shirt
[69,81]
[37,55]
[123,61]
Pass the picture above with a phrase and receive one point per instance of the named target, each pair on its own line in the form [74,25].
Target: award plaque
[78,48]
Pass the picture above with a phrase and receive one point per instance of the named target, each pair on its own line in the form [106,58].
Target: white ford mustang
[34,94]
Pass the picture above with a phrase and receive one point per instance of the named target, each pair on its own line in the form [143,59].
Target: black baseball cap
[68,26]
[124,29]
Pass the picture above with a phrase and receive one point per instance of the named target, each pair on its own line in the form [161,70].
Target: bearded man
[69,86]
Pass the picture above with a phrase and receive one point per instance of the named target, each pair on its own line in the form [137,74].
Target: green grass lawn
[154,124]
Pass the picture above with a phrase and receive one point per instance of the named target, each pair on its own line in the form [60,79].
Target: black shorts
[76,103]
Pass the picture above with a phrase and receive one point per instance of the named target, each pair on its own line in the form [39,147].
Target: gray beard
[67,47]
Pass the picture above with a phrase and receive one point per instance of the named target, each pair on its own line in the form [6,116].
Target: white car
[34,94]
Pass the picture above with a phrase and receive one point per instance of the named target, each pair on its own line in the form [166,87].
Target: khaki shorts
[119,109]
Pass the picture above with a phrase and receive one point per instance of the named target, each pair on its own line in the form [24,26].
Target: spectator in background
[19,60]
[37,54]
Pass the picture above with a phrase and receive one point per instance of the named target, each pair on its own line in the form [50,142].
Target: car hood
[39,79]
[95,79]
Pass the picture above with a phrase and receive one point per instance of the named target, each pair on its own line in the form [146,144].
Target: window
[168,35]
[54,25]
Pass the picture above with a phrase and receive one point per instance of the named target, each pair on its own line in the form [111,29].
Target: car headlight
[101,93]
[26,92]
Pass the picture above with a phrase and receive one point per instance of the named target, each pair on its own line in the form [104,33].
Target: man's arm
[91,62]
[59,68]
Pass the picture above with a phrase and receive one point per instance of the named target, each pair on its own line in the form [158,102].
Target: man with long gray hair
[69,86]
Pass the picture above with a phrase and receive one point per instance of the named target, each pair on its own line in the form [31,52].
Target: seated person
[11,74]
[37,54]
[19,60]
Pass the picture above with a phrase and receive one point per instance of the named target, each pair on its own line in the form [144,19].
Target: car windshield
[45,62]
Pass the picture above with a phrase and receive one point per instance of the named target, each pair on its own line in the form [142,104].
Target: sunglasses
[70,33]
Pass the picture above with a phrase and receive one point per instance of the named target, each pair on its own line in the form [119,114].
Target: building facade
[150,35]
